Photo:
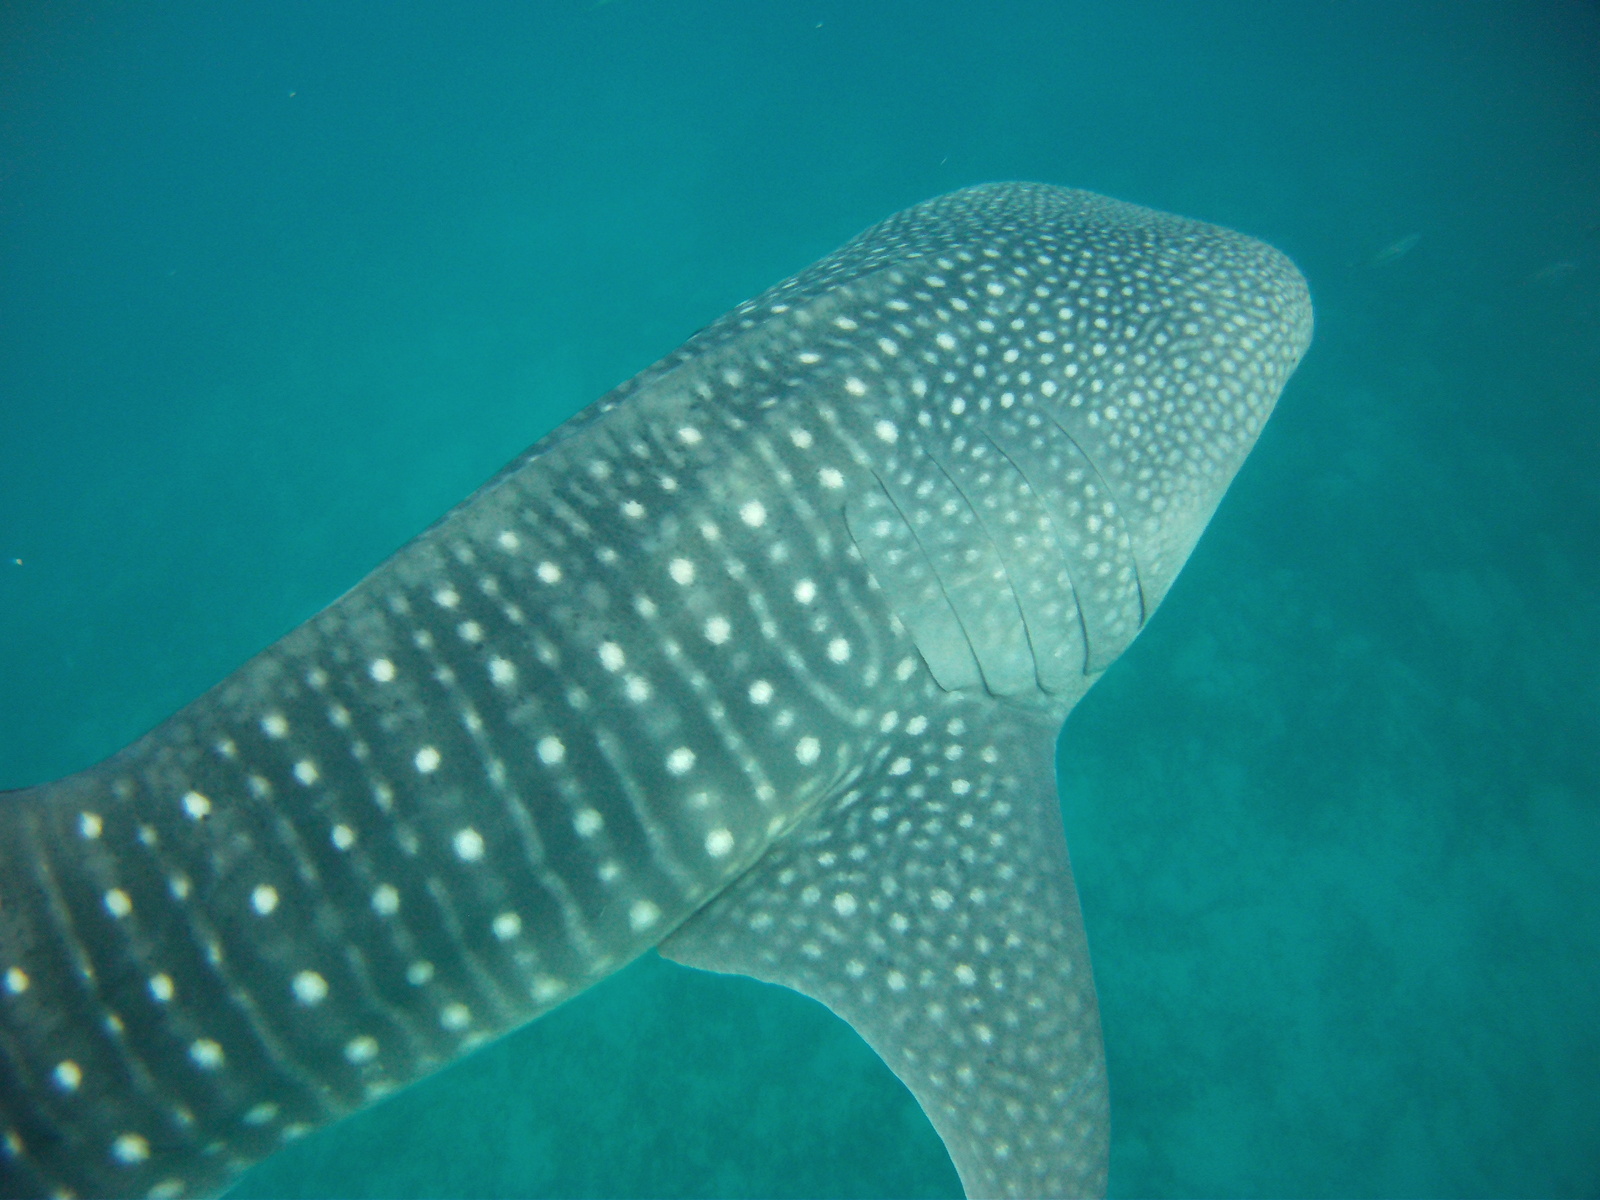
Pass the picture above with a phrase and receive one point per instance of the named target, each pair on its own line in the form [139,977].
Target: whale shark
[760,660]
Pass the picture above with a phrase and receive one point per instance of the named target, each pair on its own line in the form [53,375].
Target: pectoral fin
[931,905]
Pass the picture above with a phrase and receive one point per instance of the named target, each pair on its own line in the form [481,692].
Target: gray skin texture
[760,659]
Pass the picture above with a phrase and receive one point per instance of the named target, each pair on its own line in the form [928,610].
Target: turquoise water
[281,282]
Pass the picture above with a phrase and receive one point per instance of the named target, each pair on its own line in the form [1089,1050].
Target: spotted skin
[768,647]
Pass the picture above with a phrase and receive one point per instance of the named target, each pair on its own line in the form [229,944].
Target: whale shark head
[760,659]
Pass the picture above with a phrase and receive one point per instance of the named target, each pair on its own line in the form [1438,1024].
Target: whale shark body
[760,659]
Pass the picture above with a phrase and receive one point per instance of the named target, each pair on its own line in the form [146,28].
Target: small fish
[1394,250]
[760,659]
[1551,272]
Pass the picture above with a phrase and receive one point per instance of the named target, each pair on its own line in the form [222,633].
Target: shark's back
[768,648]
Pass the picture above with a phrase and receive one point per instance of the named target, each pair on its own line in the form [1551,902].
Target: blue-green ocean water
[280,282]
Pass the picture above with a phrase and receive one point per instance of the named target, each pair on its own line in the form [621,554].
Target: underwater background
[281,282]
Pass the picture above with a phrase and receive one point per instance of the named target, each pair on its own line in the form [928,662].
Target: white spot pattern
[310,988]
[130,1149]
[207,1054]
[507,925]
[362,1049]
[642,915]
